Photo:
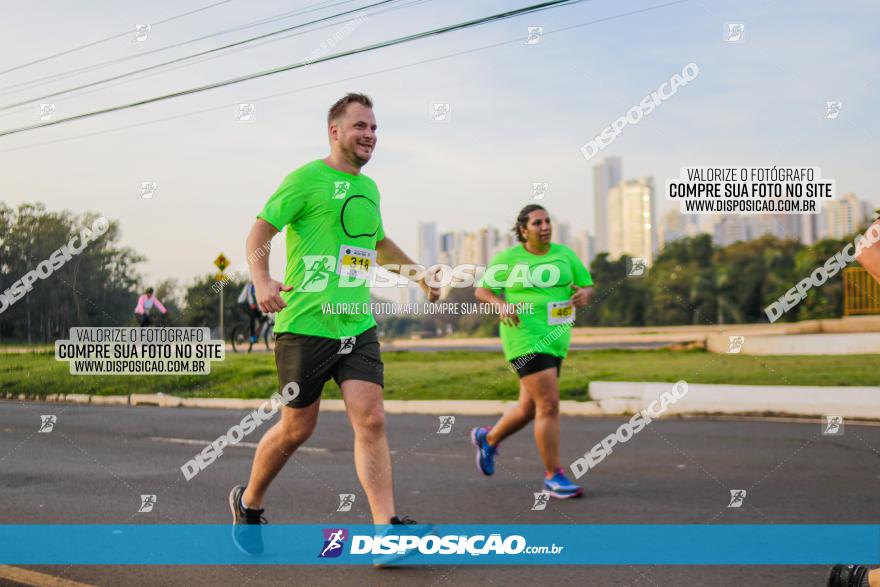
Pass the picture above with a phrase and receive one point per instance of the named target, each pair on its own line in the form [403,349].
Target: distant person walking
[145,304]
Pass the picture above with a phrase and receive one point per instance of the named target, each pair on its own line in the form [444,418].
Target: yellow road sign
[221,262]
[220,277]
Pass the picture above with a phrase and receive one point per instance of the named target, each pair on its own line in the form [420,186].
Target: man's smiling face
[354,134]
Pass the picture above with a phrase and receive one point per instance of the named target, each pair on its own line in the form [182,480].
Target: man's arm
[267,289]
[388,253]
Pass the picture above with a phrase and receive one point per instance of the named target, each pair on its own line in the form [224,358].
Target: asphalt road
[97,461]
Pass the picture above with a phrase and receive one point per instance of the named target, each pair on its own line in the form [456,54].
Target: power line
[265,73]
[111,38]
[266,20]
[193,56]
[330,83]
[203,59]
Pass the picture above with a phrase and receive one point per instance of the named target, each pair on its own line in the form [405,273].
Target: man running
[551,278]
[334,240]
[860,575]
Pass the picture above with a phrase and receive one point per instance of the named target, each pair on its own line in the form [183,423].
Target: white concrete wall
[800,344]
[849,402]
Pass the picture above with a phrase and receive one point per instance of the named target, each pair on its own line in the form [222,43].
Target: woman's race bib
[560,312]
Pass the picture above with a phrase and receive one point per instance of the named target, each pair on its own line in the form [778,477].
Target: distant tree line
[691,281]
[96,287]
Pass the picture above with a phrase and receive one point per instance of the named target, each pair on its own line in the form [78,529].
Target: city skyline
[518,113]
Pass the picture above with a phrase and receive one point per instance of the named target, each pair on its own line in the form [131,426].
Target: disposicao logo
[334,542]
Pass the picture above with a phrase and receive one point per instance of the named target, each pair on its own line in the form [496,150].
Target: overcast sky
[519,113]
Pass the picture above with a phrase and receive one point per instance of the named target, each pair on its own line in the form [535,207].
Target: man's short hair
[338,109]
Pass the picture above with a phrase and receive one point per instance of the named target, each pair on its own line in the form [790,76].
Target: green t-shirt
[544,281]
[333,223]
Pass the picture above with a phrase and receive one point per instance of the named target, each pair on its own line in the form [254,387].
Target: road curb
[393,406]
[610,398]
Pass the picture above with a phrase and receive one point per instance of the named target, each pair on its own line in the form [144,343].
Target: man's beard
[352,156]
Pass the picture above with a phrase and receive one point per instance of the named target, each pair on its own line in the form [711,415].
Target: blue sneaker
[253,339]
[560,487]
[401,527]
[247,532]
[485,451]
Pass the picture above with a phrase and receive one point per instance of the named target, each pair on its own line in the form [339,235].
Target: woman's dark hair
[523,219]
[149,291]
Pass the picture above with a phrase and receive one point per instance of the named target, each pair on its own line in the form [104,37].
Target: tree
[92,288]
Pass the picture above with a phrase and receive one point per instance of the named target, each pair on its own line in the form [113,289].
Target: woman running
[551,278]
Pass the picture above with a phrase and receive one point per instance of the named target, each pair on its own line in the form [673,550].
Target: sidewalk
[609,399]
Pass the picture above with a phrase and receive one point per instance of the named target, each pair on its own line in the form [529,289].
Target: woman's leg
[514,419]
[543,389]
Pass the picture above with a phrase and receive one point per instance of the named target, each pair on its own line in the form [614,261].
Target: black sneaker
[247,533]
[411,528]
[848,576]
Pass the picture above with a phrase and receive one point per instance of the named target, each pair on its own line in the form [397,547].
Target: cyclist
[145,304]
[247,302]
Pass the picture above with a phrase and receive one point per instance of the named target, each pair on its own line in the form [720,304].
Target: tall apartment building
[631,213]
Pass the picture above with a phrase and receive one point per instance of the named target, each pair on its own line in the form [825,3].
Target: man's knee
[370,422]
[296,431]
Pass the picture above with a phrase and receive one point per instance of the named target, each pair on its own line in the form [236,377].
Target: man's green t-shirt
[544,281]
[333,223]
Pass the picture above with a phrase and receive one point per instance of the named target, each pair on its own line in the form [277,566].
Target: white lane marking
[311,449]
[785,419]
[28,577]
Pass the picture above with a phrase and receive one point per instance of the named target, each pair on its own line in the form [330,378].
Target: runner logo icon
[346,500]
[334,542]
[346,345]
[446,423]
[737,497]
[833,426]
[317,274]
[341,189]
[147,503]
[47,423]
[541,499]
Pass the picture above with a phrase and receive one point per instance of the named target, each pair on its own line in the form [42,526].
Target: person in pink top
[147,302]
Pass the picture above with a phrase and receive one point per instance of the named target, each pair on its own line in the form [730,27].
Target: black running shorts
[528,364]
[310,361]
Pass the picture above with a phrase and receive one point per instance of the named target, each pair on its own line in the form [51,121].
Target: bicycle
[241,334]
[151,319]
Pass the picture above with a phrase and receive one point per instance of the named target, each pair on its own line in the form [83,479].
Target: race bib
[355,261]
[560,312]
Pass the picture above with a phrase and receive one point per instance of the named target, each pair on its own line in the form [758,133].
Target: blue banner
[485,544]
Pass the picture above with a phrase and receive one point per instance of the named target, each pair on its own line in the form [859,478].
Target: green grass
[453,374]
